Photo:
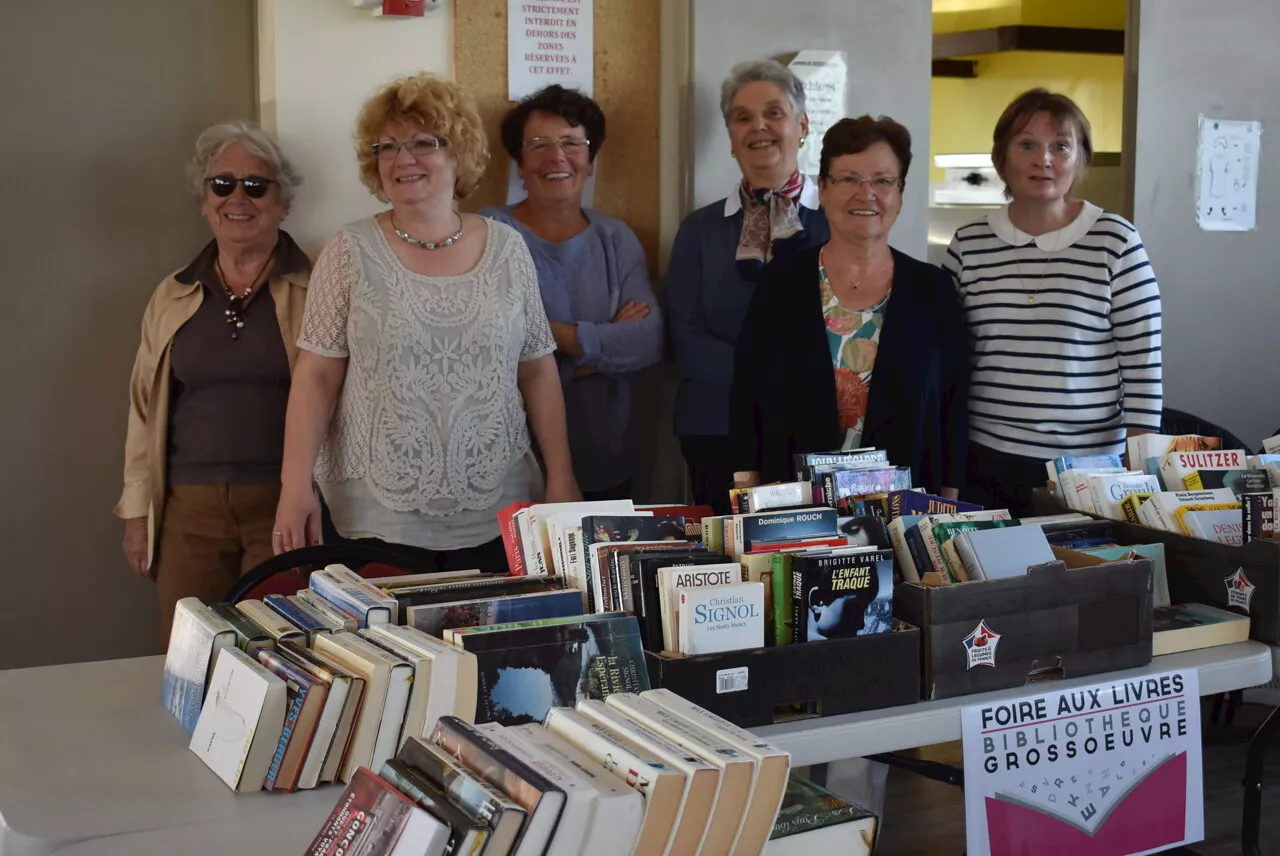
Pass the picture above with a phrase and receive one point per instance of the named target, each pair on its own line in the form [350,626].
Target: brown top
[172,304]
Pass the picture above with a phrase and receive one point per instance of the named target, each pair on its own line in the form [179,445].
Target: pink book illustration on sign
[1147,815]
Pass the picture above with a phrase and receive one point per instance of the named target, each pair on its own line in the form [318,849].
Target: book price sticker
[731,680]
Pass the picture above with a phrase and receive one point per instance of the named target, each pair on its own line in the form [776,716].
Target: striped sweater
[1066,334]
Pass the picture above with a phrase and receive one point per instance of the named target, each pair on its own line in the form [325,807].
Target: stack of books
[290,692]
[646,774]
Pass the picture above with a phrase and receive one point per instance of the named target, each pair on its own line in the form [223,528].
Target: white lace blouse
[429,438]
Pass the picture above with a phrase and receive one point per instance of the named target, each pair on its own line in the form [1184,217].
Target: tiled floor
[926,818]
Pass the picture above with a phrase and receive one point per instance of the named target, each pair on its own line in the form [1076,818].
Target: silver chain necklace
[428,245]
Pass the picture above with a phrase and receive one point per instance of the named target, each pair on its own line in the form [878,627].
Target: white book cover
[1271,445]
[660,785]
[1106,490]
[241,721]
[737,769]
[1076,485]
[579,798]
[453,675]
[358,585]
[773,765]
[618,810]
[353,599]
[1224,527]
[721,618]
[671,580]
[1160,511]
[544,561]
[1176,466]
[783,495]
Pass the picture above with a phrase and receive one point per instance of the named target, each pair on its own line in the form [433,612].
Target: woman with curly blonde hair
[426,354]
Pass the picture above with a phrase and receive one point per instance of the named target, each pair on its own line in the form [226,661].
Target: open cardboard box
[761,686]
[1062,619]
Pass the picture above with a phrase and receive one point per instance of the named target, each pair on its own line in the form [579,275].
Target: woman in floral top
[854,343]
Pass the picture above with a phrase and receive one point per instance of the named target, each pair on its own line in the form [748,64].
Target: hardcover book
[434,619]
[838,596]
[194,642]
[373,818]
[524,672]
[813,820]
[474,797]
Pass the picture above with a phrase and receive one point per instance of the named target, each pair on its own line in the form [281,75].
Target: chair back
[289,572]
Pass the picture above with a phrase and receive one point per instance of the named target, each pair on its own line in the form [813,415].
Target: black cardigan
[784,391]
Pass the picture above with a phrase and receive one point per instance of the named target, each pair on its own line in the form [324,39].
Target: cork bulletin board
[626,88]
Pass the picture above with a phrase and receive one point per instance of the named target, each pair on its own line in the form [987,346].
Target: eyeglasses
[569,145]
[255,186]
[879,184]
[418,147]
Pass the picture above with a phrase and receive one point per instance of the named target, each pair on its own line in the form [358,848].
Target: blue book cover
[436,618]
[904,502]
[786,526]
[299,618]
[197,635]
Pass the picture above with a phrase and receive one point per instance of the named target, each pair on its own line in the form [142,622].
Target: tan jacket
[172,305]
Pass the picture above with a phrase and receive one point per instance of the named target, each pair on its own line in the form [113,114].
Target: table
[92,765]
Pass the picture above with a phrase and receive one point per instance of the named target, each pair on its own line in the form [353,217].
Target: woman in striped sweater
[1063,311]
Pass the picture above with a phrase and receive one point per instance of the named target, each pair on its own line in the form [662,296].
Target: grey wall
[102,102]
[887,43]
[1221,291]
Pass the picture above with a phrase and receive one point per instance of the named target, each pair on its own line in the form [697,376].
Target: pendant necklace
[235,311]
[427,245]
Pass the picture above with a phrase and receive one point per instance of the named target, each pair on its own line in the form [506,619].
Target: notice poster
[549,42]
[1227,174]
[1112,769]
[824,74]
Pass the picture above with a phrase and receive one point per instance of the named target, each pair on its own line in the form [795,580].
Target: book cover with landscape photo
[434,619]
[528,671]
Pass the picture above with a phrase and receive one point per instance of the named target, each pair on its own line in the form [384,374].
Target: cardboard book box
[761,686]
[1055,622]
[1243,579]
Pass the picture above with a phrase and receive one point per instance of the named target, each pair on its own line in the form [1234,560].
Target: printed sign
[1239,590]
[823,74]
[549,41]
[1112,769]
[1227,174]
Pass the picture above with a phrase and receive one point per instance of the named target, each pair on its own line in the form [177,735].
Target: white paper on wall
[824,75]
[1227,174]
[549,41]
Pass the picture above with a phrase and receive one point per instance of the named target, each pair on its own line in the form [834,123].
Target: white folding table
[92,765]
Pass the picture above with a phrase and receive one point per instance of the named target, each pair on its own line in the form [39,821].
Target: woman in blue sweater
[594,282]
[720,251]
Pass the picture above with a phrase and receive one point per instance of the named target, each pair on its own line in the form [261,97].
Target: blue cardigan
[707,300]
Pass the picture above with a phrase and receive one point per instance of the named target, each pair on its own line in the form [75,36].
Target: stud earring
[803,140]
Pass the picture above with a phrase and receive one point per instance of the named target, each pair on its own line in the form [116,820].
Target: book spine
[665,598]
[511,538]
[829,489]
[290,722]
[452,734]
[799,626]
[291,613]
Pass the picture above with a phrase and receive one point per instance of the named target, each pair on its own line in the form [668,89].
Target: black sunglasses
[255,186]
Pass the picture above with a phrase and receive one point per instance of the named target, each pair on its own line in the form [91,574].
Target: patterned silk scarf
[767,216]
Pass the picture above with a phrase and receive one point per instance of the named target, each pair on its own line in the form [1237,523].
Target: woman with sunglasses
[593,278]
[426,354]
[853,343]
[211,380]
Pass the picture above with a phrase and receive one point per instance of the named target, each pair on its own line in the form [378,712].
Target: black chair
[368,560]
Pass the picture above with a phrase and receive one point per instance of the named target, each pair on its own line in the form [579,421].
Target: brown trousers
[209,536]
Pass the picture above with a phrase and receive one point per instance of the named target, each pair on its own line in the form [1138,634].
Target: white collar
[1050,242]
[808,197]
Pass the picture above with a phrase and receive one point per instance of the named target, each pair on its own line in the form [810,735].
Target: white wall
[1221,290]
[888,45]
[318,60]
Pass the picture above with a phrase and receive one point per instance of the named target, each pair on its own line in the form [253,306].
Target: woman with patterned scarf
[720,252]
